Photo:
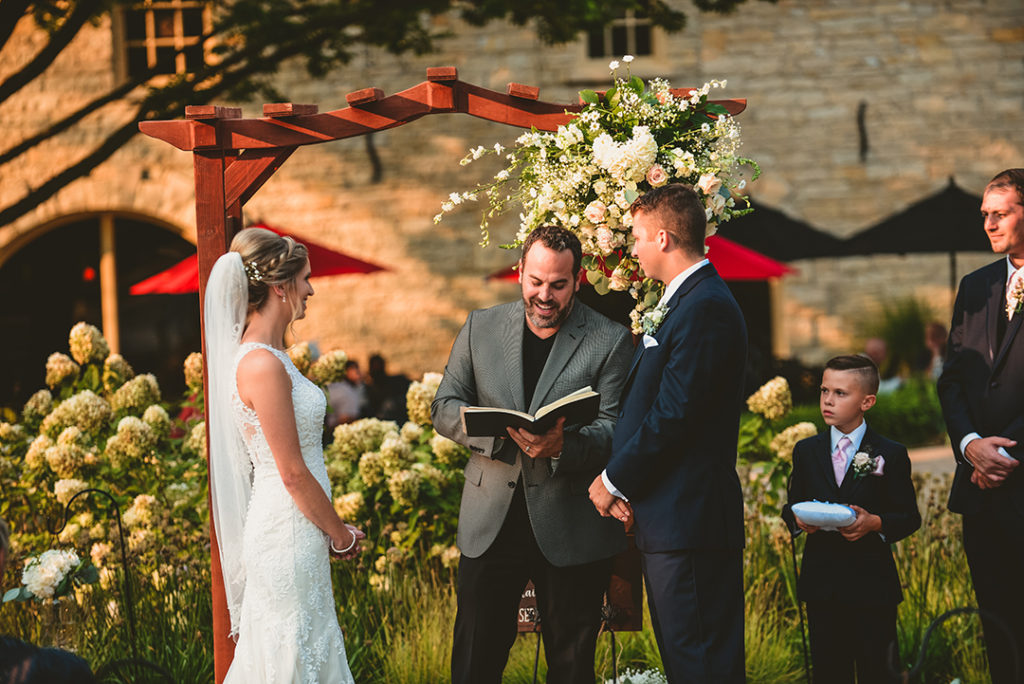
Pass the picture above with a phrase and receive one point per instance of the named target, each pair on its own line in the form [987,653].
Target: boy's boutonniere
[652,320]
[863,464]
[1014,295]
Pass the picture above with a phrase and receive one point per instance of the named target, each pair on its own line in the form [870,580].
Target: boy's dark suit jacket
[834,568]
[982,383]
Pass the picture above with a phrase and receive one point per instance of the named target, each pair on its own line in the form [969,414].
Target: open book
[579,408]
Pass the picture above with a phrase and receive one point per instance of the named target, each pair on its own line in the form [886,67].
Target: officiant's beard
[553,319]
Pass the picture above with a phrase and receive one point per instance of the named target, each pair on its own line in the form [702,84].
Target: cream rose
[595,211]
[656,176]
[709,183]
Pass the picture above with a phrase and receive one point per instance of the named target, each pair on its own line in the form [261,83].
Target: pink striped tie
[839,459]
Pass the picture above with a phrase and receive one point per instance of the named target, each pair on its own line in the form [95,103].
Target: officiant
[525,512]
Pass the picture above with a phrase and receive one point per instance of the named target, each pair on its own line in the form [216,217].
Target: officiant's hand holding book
[578,408]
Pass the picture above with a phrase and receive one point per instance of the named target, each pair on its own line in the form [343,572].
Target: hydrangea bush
[634,137]
[403,484]
[97,424]
[764,442]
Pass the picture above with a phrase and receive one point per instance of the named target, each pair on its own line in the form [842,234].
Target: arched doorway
[54,281]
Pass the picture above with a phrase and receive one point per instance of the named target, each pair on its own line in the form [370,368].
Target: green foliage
[910,415]
[902,325]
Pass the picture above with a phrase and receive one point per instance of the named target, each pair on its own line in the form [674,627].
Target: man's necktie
[839,459]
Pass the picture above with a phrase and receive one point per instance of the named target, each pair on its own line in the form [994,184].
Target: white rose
[595,211]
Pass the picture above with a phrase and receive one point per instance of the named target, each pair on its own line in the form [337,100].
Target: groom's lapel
[674,304]
[567,339]
[512,350]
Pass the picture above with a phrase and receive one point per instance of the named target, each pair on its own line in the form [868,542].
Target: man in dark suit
[848,578]
[982,395]
[674,451]
[525,514]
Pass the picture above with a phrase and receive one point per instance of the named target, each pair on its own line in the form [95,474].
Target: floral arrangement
[1015,295]
[52,575]
[632,676]
[622,143]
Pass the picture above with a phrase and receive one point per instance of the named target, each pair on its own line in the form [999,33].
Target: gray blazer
[485,369]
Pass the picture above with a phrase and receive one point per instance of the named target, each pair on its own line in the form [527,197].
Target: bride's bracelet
[347,548]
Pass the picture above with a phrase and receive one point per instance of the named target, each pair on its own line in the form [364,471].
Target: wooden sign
[623,607]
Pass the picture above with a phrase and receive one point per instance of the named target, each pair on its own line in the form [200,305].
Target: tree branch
[83,12]
[11,12]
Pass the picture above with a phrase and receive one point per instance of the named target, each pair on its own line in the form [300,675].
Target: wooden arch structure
[233,157]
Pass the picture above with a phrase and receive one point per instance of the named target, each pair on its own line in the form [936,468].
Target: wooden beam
[277,110]
[291,125]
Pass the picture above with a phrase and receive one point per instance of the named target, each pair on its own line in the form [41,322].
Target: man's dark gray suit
[674,459]
[522,518]
[982,391]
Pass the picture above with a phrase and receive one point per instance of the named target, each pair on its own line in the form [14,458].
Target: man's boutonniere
[864,464]
[652,320]
[1014,295]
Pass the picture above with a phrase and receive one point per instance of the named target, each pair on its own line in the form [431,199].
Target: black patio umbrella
[774,234]
[946,221]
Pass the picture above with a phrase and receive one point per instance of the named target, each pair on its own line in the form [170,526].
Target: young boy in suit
[848,578]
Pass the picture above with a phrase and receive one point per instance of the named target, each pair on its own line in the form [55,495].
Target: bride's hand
[349,544]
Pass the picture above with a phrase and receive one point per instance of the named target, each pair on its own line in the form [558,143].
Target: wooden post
[108,282]
[213,234]
[780,336]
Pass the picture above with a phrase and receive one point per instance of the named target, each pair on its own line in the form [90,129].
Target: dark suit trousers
[569,601]
[994,544]
[696,602]
[848,636]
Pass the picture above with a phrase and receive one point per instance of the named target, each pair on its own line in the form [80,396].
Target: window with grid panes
[628,34]
[164,34]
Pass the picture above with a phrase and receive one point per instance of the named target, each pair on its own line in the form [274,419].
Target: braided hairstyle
[270,260]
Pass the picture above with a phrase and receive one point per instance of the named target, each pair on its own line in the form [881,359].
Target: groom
[674,449]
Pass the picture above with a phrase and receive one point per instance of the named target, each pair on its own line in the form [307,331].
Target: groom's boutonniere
[864,464]
[653,319]
[1015,296]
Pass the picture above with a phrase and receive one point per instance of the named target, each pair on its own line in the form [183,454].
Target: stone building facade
[939,87]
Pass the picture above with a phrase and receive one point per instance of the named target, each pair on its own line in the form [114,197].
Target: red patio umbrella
[183,277]
[732,260]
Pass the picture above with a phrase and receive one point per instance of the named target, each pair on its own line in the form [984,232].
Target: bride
[271,506]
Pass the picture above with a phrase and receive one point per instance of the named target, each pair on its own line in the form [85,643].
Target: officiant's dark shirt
[535,355]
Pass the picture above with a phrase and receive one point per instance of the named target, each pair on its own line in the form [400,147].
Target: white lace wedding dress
[288,632]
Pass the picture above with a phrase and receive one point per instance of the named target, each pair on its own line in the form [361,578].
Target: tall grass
[401,633]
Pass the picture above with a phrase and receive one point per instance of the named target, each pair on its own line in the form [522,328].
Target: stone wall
[943,85]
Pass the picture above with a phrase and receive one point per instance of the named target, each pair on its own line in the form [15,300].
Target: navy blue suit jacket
[840,570]
[674,448]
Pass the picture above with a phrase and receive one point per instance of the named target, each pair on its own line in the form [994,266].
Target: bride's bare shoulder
[260,365]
